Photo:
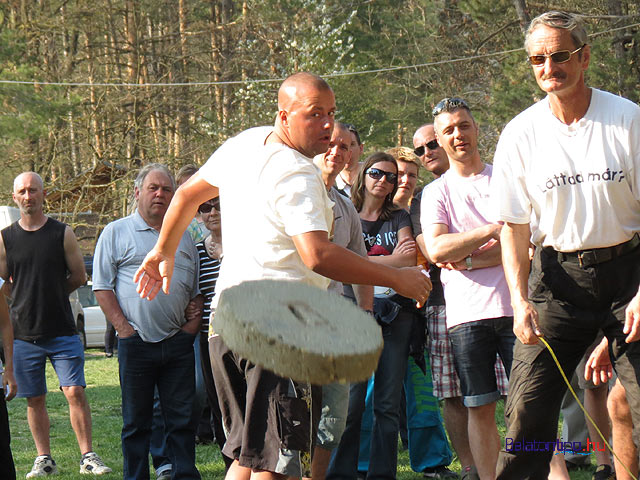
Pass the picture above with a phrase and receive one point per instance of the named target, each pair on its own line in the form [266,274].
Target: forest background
[91,91]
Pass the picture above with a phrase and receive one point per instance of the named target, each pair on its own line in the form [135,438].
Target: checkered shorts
[445,379]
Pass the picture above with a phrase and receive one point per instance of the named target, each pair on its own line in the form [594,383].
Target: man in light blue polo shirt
[155,346]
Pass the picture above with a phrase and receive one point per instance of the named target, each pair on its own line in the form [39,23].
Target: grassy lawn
[103,391]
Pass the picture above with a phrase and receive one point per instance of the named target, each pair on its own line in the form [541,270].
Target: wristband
[467,262]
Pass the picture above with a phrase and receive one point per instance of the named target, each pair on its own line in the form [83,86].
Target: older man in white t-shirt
[568,180]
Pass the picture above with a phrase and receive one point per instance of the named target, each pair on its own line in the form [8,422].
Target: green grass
[103,392]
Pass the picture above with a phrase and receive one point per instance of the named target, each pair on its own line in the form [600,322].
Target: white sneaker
[42,466]
[92,464]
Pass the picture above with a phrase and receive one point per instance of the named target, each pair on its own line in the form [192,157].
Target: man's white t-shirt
[462,204]
[268,194]
[578,185]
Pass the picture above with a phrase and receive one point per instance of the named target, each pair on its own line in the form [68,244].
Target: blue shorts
[29,358]
[475,345]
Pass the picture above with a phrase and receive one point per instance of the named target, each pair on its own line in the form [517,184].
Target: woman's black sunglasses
[377,174]
[207,207]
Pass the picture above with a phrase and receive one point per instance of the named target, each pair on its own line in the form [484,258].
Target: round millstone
[298,331]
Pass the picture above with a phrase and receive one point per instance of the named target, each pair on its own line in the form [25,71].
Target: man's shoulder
[344,203]
[120,223]
[614,104]
[120,228]
[528,117]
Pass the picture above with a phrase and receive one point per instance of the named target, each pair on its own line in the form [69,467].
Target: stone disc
[299,331]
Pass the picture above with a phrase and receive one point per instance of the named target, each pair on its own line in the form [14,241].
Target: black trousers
[7,468]
[573,304]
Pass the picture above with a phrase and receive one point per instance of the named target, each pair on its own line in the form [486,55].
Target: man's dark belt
[588,258]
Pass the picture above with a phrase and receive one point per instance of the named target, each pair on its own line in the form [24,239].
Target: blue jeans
[158,449]
[386,409]
[428,444]
[474,346]
[169,366]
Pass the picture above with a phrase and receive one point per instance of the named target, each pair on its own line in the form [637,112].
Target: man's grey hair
[563,20]
[144,171]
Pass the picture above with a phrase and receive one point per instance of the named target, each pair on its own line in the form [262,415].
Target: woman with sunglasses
[389,240]
[210,253]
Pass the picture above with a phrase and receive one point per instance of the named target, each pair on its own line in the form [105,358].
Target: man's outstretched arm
[157,268]
[337,263]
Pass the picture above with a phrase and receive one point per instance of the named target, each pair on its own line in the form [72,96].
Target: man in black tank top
[41,261]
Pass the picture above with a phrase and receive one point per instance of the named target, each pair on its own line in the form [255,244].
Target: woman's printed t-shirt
[385,239]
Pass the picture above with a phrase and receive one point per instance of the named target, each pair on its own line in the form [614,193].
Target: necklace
[214,249]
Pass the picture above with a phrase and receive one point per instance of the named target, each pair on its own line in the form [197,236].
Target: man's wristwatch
[467,262]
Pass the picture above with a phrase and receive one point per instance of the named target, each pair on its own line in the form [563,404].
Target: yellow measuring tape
[566,380]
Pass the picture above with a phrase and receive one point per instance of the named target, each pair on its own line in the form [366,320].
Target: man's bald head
[31,175]
[28,193]
[306,109]
[297,85]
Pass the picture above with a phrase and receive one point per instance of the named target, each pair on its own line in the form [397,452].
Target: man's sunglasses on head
[432,145]
[377,174]
[561,56]
[208,206]
[448,105]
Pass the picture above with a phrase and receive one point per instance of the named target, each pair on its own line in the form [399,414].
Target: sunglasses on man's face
[207,207]
[561,56]
[377,174]
[432,145]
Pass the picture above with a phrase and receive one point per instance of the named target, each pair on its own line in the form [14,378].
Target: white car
[94,323]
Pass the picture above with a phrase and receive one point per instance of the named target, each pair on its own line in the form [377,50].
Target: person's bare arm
[632,319]
[75,263]
[337,263]
[109,304]
[423,248]
[4,269]
[404,253]
[6,330]
[157,268]
[488,256]
[193,314]
[445,247]
[515,259]
[364,296]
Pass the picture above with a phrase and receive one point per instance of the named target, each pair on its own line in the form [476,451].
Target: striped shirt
[209,269]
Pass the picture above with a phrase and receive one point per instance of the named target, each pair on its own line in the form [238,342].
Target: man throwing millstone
[283,233]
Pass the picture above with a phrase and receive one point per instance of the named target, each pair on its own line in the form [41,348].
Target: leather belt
[588,258]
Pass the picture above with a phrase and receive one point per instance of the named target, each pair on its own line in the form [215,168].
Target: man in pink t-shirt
[462,235]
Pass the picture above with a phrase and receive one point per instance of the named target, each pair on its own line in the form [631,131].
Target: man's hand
[598,367]
[125,331]
[154,273]
[496,229]
[632,320]
[413,283]
[193,314]
[459,266]
[525,323]
[8,380]
[194,308]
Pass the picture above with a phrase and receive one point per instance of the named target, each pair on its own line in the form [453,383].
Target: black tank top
[40,307]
